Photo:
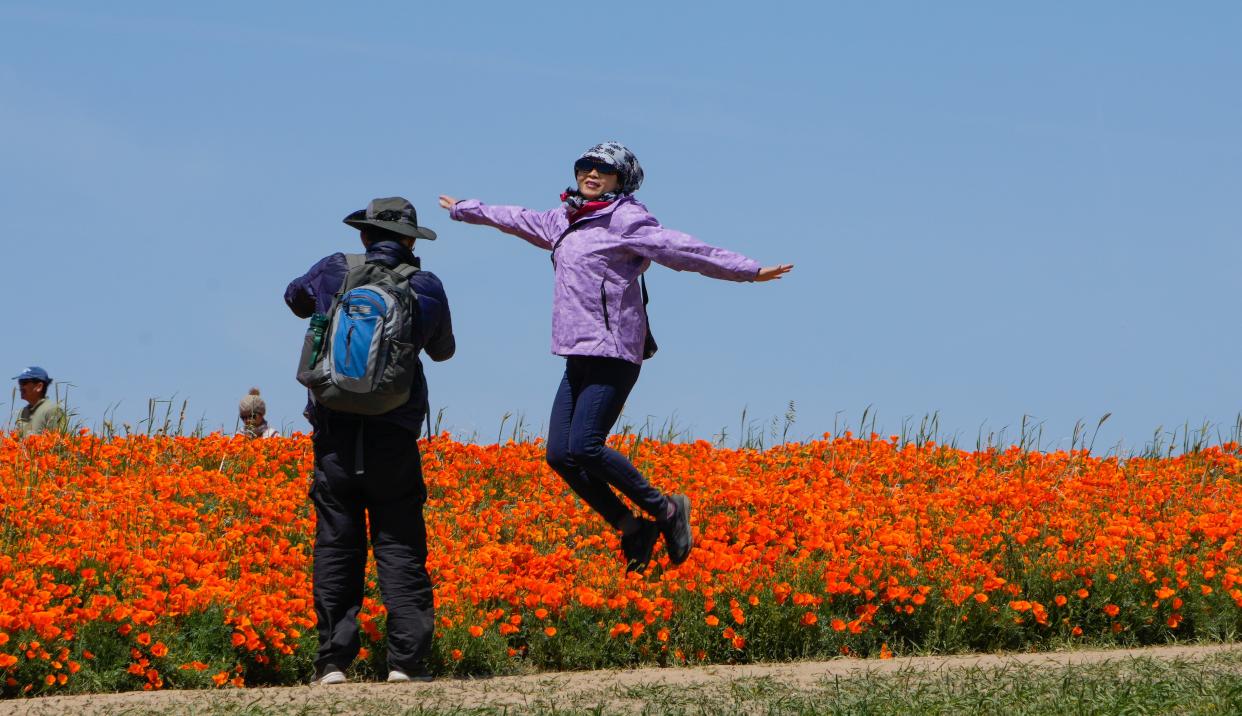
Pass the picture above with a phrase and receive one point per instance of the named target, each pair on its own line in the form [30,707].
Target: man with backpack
[370,316]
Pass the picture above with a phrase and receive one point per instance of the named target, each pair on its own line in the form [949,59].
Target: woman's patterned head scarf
[617,156]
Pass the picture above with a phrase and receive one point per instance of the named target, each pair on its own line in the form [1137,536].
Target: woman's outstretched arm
[534,226]
[683,252]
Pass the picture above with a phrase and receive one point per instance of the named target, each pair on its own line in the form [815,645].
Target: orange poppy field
[159,562]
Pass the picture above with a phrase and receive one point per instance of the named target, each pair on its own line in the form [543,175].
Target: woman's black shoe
[639,545]
[677,537]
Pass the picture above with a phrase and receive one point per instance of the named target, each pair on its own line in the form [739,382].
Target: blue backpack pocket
[355,339]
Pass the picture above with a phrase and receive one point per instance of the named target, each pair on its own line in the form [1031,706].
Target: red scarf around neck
[589,207]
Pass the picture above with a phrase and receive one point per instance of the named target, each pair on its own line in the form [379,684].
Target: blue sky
[994,211]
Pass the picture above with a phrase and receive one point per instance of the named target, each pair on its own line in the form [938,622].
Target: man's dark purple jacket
[313,293]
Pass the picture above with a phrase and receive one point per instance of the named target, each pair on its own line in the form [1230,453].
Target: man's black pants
[390,490]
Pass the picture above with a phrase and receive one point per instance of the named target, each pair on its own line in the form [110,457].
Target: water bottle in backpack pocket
[365,363]
[312,344]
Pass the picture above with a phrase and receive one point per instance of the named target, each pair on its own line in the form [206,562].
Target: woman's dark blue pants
[589,401]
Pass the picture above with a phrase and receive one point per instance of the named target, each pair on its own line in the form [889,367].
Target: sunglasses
[584,166]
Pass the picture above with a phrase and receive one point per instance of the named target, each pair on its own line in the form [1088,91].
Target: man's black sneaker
[677,537]
[639,545]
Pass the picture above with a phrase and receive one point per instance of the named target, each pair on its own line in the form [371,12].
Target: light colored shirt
[45,415]
[261,431]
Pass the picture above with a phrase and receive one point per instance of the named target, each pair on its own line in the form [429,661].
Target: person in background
[370,467]
[602,239]
[41,413]
[252,412]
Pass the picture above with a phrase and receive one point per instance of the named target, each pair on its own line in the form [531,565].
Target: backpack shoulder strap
[568,230]
[403,273]
[576,223]
[556,244]
[352,262]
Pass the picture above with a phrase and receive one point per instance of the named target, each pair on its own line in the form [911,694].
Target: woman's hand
[767,273]
[446,201]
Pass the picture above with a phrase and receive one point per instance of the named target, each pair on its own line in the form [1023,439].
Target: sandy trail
[546,689]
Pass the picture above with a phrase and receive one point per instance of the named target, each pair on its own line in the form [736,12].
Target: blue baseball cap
[34,372]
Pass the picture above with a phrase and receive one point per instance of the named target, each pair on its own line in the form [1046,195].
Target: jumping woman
[602,239]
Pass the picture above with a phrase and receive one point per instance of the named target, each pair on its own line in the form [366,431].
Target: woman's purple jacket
[597,305]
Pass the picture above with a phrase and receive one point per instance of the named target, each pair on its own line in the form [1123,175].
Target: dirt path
[566,688]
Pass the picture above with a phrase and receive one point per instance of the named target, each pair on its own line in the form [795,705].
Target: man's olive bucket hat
[394,214]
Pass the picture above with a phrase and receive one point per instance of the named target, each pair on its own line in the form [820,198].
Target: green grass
[1211,684]
[1141,686]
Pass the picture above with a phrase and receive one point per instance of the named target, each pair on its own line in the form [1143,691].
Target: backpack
[361,357]
[649,343]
